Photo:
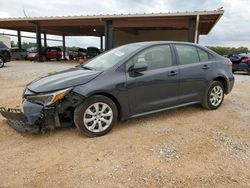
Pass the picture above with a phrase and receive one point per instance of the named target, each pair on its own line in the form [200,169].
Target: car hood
[63,79]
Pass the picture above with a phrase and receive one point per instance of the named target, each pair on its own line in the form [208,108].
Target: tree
[228,50]
[13,44]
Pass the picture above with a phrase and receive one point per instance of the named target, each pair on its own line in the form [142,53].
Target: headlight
[48,99]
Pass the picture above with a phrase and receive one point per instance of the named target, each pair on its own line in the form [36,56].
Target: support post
[39,43]
[197,29]
[44,40]
[19,39]
[108,35]
[101,43]
[191,30]
[64,47]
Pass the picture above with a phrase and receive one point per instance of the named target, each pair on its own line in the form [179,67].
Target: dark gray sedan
[128,81]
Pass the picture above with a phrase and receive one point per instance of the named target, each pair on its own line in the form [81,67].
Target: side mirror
[139,67]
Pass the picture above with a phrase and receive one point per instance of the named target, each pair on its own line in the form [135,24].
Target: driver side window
[155,57]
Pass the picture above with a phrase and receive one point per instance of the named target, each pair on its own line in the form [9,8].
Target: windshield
[111,58]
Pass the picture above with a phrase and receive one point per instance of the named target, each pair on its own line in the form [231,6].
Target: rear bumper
[230,85]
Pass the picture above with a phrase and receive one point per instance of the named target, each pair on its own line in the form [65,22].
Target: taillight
[245,60]
[229,63]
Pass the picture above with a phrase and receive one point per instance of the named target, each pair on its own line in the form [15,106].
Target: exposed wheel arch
[223,81]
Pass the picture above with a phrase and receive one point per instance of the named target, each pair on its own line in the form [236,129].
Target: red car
[48,54]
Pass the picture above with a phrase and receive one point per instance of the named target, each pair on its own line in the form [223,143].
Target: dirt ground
[186,147]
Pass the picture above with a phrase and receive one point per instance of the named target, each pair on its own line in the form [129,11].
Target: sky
[233,29]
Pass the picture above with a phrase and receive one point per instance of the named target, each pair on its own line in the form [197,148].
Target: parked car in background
[32,54]
[52,53]
[48,53]
[18,54]
[128,81]
[76,55]
[92,52]
[5,54]
[241,62]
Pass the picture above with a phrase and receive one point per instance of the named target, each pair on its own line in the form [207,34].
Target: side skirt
[164,109]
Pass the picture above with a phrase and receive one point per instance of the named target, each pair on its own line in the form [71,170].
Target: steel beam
[44,40]
[191,29]
[39,43]
[101,43]
[28,37]
[64,47]
[196,40]
[108,35]
[19,40]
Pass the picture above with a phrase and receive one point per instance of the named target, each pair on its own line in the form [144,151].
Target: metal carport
[118,29]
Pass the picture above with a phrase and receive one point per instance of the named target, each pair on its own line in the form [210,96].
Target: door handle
[173,73]
[205,67]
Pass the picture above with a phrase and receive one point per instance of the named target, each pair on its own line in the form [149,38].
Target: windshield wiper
[86,67]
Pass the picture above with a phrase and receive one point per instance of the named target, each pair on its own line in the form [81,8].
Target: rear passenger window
[187,54]
[204,56]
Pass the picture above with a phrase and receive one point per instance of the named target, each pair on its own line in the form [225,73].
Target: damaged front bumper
[37,118]
[30,120]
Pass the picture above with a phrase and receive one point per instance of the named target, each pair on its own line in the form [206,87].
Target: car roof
[245,54]
[149,43]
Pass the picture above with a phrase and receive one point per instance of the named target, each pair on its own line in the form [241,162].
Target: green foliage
[25,45]
[228,50]
[13,44]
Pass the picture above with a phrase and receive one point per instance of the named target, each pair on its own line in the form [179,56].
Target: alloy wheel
[98,117]
[216,95]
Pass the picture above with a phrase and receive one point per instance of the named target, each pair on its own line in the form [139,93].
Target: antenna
[24,13]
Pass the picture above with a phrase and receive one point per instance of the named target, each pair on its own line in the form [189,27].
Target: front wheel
[214,96]
[1,62]
[96,116]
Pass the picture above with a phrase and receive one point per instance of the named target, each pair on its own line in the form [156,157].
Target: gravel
[186,147]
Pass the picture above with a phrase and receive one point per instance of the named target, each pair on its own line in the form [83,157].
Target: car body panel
[63,79]
[152,89]
[134,94]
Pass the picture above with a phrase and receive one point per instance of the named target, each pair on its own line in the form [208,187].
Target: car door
[194,68]
[157,87]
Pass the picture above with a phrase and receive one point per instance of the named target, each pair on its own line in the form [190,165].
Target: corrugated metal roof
[106,16]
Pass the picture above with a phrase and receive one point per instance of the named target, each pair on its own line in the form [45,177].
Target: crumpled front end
[22,123]
[36,118]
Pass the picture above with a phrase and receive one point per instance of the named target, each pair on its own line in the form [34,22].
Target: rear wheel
[214,96]
[96,116]
[1,62]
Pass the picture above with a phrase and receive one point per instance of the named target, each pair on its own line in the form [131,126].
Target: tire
[88,122]
[214,96]
[1,62]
